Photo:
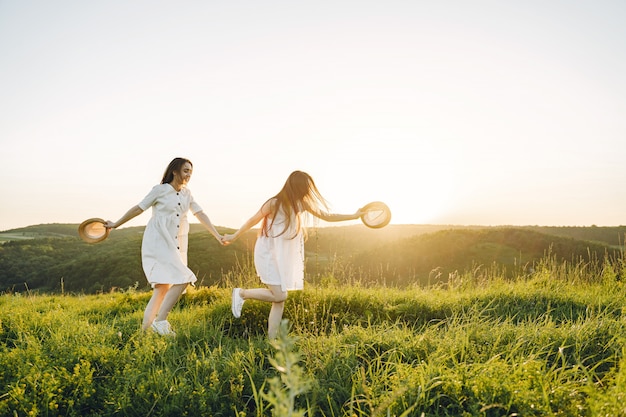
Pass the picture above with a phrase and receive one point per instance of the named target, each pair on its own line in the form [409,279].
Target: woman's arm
[130,214]
[204,219]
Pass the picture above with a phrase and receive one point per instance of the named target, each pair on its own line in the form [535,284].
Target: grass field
[550,344]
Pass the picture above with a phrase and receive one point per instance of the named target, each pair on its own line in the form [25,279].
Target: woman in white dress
[164,244]
[279,248]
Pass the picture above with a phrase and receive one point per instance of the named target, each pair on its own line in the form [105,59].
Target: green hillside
[56,230]
[431,258]
[614,236]
[53,258]
[69,264]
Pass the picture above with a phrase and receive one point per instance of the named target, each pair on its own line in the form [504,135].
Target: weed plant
[549,343]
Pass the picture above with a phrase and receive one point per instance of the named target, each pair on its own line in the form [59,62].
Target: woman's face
[183,176]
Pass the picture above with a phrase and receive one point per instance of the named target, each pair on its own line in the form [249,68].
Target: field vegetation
[550,343]
[402,321]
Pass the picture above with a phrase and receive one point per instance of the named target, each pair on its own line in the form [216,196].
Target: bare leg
[170,299]
[273,321]
[158,294]
[275,295]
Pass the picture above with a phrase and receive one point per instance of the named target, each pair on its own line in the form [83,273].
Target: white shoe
[237,302]
[163,328]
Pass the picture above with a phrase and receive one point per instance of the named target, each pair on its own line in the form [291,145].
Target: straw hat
[93,230]
[377,215]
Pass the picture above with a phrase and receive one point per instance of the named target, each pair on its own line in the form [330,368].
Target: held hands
[227,239]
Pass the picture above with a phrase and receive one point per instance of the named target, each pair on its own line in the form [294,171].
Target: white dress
[279,258]
[164,245]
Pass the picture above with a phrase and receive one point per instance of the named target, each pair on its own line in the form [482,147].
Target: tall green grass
[551,343]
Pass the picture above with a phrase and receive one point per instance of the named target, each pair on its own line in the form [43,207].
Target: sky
[451,112]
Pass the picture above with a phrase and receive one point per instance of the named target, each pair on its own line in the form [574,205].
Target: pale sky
[451,112]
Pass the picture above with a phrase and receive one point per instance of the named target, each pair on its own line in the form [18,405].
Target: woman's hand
[110,225]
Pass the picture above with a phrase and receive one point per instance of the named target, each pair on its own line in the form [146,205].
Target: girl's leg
[170,299]
[158,294]
[273,293]
[277,297]
[273,321]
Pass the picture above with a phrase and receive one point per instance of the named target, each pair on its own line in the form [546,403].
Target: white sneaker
[163,328]
[237,302]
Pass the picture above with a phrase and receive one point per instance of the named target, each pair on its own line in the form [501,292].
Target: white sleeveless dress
[164,245]
[279,258]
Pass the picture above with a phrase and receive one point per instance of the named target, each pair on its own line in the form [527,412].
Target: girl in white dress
[164,244]
[279,248]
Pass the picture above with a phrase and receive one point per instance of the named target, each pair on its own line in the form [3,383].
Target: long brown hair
[297,195]
[175,166]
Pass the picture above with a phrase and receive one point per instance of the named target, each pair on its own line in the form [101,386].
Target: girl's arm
[130,214]
[252,221]
[204,219]
[333,217]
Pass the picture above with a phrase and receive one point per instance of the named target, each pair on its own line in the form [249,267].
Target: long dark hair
[297,195]
[175,166]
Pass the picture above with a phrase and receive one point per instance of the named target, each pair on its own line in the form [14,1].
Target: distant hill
[55,230]
[52,257]
[614,236]
[428,259]
[52,262]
